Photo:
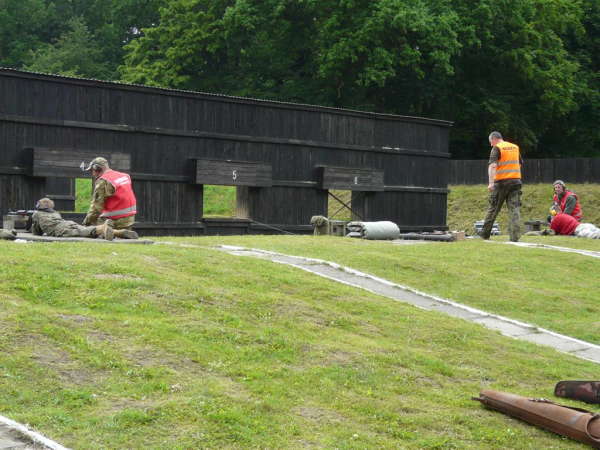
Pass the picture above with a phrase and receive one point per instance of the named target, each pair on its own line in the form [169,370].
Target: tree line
[527,68]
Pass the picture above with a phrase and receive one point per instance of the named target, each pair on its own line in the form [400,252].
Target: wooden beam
[350,179]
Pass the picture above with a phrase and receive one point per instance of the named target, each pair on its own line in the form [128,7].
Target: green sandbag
[320,224]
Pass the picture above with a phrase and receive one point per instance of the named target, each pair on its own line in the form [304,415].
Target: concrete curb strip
[508,327]
[34,436]
[591,253]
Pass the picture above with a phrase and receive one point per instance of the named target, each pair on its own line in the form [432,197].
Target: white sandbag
[380,230]
[374,230]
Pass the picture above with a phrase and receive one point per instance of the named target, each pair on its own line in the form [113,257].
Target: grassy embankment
[112,347]
[467,204]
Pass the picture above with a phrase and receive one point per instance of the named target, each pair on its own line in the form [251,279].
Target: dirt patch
[117,406]
[75,318]
[116,276]
[320,415]
[304,314]
[338,357]
[98,336]
[152,260]
[60,363]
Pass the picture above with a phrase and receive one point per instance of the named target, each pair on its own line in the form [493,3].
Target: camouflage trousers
[124,223]
[512,196]
[72,229]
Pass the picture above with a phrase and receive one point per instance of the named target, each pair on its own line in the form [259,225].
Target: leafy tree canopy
[74,54]
[517,66]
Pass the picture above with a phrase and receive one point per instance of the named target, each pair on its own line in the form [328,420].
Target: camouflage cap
[99,161]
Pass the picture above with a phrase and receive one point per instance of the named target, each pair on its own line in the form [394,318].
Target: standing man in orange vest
[113,198]
[504,173]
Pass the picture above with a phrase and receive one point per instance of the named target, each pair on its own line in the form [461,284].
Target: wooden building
[282,157]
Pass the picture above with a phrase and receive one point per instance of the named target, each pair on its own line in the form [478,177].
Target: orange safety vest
[508,166]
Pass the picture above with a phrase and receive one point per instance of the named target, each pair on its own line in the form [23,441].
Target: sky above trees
[526,68]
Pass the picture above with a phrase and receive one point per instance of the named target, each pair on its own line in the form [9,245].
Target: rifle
[24,213]
[21,212]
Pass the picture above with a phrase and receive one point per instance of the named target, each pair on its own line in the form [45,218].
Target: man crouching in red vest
[566,201]
[113,198]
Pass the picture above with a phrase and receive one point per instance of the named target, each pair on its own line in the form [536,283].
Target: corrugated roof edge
[233,97]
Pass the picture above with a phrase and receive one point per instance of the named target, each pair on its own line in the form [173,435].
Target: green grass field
[185,347]
[182,346]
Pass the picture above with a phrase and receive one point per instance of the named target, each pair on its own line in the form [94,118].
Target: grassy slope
[115,347]
[520,283]
[467,204]
[83,194]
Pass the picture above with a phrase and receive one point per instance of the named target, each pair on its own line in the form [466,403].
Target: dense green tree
[28,26]
[514,74]
[74,53]
[329,52]
[578,134]
[22,25]
[486,64]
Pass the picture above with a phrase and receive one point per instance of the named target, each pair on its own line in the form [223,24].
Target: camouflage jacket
[49,222]
[102,190]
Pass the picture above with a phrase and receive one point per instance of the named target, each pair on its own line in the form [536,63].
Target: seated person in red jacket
[568,226]
[566,201]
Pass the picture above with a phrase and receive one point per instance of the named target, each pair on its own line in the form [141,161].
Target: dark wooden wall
[166,131]
[570,170]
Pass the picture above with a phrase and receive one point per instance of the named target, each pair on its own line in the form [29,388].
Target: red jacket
[564,224]
[122,203]
[577,213]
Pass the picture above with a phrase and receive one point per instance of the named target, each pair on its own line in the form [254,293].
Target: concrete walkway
[591,253]
[16,436]
[506,326]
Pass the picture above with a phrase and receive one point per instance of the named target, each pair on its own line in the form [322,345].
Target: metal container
[337,228]
[479,225]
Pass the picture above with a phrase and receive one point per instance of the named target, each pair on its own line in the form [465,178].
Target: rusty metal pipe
[575,423]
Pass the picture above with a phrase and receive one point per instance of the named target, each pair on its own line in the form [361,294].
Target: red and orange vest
[508,166]
[576,213]
[122,203]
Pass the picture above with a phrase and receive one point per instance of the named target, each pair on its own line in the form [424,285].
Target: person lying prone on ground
[47,221]
[567,225]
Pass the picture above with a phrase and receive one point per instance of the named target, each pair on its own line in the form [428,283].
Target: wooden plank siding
[343,178]
[233,173]
[49,162]
[570,170]
[62,192]
[164,132]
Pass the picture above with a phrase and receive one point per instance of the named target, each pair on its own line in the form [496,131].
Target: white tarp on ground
[383,230]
